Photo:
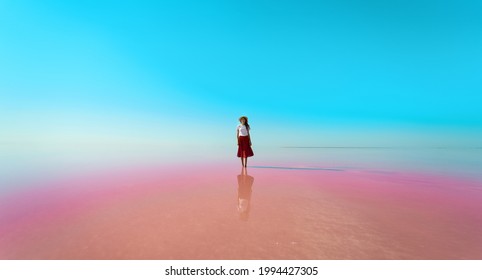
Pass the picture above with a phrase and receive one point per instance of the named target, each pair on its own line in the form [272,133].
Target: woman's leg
[242,161]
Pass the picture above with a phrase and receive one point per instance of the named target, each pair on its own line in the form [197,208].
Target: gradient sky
[305,72]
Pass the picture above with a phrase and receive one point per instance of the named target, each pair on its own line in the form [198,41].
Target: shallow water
[291,203]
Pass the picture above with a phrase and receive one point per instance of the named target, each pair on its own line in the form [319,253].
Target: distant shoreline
[374,147]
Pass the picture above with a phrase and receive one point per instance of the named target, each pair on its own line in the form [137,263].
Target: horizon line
[382,147]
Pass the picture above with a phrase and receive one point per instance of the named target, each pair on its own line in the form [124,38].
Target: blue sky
[319,72]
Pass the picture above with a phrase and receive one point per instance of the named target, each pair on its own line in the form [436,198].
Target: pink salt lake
[272,210]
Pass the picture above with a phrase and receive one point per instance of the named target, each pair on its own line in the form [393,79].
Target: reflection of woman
[245,184]
[244,140]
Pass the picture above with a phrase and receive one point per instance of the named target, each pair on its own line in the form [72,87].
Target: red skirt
[244,149]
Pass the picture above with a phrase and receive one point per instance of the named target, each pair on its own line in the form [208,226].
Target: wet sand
[217,211]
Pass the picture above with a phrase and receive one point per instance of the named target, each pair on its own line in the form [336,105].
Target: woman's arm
[237,135]
[249,137]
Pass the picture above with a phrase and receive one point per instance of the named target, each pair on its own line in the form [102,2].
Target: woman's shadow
[245,188]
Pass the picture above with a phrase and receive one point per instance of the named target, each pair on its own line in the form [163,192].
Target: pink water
[216,211]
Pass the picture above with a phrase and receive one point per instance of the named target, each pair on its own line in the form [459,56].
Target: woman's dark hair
[245,121]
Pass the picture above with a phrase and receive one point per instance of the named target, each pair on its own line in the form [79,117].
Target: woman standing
[244,141]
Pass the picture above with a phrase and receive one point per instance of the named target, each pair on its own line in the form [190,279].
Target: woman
[244,141]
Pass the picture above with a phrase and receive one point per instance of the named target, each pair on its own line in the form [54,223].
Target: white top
[242,130]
